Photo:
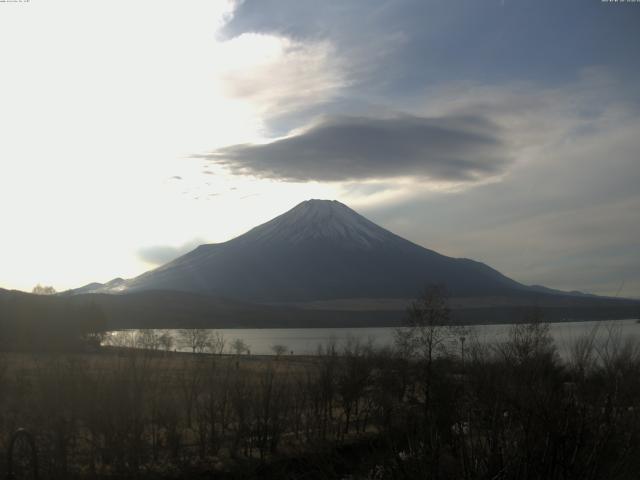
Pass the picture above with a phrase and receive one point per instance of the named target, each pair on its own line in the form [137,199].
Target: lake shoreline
[306,341]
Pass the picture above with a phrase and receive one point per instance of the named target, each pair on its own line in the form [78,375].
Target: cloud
[564,214]
[459,149]
[161,254]
[407,45]
[552,124]
[277,75]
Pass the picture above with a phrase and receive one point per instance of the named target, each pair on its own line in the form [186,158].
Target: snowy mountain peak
[321,211]
[320,220]
[318,250]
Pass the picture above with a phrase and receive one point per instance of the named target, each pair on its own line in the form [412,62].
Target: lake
[305,341]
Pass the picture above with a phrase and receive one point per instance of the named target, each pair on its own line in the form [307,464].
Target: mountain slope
[320,250]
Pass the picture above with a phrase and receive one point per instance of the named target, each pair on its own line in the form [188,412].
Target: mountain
[318,265]
[113,286]
[319,250]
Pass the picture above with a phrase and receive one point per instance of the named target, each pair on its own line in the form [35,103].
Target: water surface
[305,341]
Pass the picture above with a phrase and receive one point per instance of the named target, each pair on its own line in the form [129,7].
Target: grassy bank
[509,410]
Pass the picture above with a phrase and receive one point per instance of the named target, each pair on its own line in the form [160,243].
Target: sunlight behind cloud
[276,74]
[110,109]
[93,128]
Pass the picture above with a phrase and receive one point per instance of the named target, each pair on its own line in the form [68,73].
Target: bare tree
[217,342]
[353,378]
[197,339]
[149,339]
[429,332]
[239,346]
[429,329]
[529,341]
[166,340]
[43,290]
[122,339]
[279,350]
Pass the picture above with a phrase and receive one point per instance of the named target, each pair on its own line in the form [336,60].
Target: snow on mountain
[318,250]
[327,220]
[117,285]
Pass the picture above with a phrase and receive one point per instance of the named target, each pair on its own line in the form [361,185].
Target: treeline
[437,405]
[49,323]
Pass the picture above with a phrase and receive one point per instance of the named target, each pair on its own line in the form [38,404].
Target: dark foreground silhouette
[435,406]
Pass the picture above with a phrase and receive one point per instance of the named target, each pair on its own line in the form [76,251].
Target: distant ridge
[319,250]
[320,264]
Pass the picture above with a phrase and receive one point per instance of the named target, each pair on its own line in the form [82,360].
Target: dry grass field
[511,410]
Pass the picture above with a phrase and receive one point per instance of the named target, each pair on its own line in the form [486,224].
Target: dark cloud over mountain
[541,98]
[346,148]
[421,42]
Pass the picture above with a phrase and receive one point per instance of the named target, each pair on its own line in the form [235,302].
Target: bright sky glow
[108,110]
[102,104]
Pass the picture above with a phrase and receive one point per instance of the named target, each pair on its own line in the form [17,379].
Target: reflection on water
[305,341]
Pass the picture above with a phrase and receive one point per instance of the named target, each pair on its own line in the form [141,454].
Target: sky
[500,130]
